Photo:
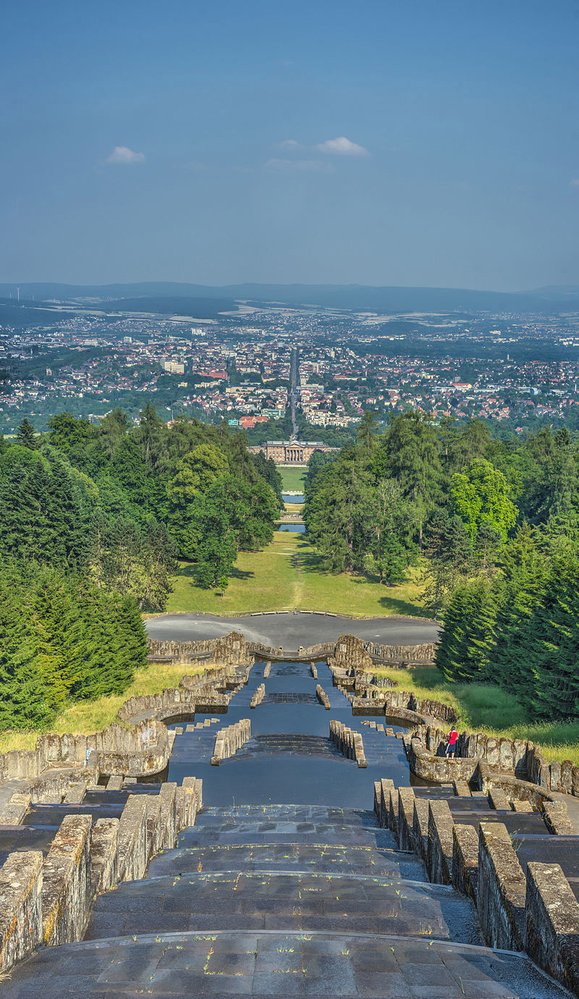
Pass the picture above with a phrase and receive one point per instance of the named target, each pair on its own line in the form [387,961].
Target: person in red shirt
[452,741]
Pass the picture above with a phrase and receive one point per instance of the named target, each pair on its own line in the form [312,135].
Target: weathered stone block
[133,851]
[465,859]
[420,828]
[501,889]
[557,817]
[440,843]
[553,923]
[406,801]
[20,906]
[103,855]
[65,888]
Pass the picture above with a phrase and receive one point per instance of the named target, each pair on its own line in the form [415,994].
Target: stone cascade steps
[293,902]
[289,745]
[180,893]
[296,856]
[265,965]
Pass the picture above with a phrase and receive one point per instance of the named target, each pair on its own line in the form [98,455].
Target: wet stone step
[286,832]
[517,823]
[265,901]
[551,850]
[53,815]
[290,857]
[290,745]
[297,813]
[25,838]
[290,699]
[264,965]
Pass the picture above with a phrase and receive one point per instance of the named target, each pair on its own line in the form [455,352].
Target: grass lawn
[92,716]
[486,708]
[286,576]
[292,478]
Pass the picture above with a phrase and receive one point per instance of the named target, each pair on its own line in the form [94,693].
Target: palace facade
[291,452]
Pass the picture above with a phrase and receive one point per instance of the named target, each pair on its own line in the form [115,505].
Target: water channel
[289,758]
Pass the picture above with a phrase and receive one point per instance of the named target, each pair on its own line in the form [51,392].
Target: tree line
[94,519]
[493,522]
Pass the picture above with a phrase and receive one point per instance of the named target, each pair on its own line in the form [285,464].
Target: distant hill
[169,297]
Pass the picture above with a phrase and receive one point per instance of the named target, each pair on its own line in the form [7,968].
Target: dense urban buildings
[518,370]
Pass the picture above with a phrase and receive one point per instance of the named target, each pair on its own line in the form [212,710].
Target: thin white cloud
[342,147]
[125,156]
[290,145]
[575,182]
[298,166]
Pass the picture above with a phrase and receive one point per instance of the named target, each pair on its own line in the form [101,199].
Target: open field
[286,576]
[292,478]
[92,716]
[486,708]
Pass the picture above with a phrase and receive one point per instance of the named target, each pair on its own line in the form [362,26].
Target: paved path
[293,629]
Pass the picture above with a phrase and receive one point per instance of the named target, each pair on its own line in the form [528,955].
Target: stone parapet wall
[49,901]
[538,913]
[552,923]
[408,655]
[229,740]
[349,743]
[230,650]
[323,697]
[516,759]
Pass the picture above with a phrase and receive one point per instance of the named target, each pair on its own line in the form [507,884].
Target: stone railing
[258,696]
[47,901]
[266,670]
[314,671]
[323,697]
[538,912]
[349,743]
[403,655]
[514,759]
[229,740]
[230,650]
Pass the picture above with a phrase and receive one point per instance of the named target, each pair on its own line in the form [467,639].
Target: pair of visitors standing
[452,738]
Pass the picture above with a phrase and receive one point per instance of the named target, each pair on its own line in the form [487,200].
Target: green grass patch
[287,576]
[292,478]
[484,707]
[86,717]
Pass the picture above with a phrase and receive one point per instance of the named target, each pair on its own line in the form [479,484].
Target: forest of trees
[493,523]
[94,519]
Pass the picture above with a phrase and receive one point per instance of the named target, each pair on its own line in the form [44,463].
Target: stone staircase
[282,900]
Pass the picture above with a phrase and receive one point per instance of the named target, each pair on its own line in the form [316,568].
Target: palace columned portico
[291,452]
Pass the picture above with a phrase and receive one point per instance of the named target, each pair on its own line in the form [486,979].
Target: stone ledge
[501,894]
[229,740]
[553,923]
[49,901]
[20,906]
[349,743]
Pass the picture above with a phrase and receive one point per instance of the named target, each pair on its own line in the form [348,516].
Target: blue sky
[415,142]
